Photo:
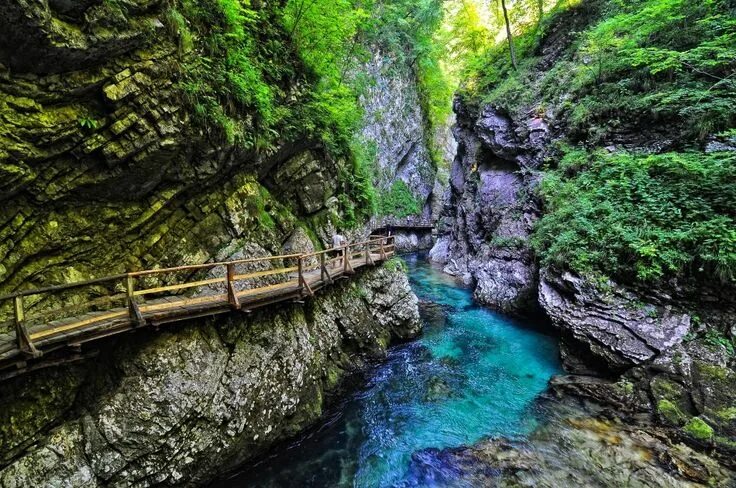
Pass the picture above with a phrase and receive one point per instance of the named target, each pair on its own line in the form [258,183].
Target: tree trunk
[540,13]
[509,36]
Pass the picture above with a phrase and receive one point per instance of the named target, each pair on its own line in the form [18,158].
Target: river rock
[615,324]
[572,450]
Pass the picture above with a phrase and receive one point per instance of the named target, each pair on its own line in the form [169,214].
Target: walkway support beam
[232,296]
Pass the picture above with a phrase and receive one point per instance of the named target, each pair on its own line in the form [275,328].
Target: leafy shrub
[397,264]
[399,201]
[639,217]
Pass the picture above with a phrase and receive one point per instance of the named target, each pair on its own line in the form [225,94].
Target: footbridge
[386,226]
[154,297]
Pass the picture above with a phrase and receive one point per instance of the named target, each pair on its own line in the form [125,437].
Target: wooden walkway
[151,298]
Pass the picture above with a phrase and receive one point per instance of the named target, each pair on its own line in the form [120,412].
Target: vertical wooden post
[21,333]
[232,296]
[383,250]
[322,266]
[134,311]
[303,284]
[301,276]
[368,257]
[347,267]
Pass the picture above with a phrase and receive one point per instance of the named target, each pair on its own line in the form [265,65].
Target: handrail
[66,286]
[149,272]
[326,267]
[189,267]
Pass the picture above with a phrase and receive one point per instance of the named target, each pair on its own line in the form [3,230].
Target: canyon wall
[184,405]
[661,350]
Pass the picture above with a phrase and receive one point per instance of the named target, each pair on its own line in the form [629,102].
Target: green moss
[625,387]
[396,264]
[42,401]
[670,412]
[712,373]
[333,377]
[699,429]
[727,414]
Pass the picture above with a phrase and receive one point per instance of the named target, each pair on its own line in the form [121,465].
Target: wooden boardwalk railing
[153,297]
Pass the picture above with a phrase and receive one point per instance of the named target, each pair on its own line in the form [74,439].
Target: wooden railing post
[383,249]
[303,285]
[135,312]
[23,339]
[323,265]
[301,276]
[368,257]
[348,268]
[232,295]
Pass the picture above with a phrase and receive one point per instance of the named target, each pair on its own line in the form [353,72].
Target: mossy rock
[699,429]
[671,413]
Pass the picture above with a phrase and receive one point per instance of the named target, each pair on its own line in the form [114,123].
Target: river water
[472,374]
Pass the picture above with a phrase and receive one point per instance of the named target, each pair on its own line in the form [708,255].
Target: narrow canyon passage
[473,373]
[536,198]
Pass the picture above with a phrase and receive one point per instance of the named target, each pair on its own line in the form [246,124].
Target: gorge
[557,176]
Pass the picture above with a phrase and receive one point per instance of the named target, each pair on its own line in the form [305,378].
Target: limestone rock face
[103,166]
[394,128]
[489,212]
[408,241]
[184,405]
[619,328]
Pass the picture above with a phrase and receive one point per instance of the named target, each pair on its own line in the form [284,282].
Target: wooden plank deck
[49,342]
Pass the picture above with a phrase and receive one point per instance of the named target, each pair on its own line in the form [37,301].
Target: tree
[509,36]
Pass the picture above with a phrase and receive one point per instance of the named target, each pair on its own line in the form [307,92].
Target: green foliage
[325,33]
[671,412]
[359,200]
[399,201]
[638,217]
[88,123]
[715,339]
[699,429]
[397,265]
[512,243]
[237,80]
[667,61]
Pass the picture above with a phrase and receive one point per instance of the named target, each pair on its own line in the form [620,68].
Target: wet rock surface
[574,449]
[184,405]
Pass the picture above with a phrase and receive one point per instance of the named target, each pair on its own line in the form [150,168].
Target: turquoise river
[472,374]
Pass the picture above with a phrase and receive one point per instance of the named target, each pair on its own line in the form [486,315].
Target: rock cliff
[182,406]
[489,212]
[125,144]
[670,341]
[105,166]
[395,128]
